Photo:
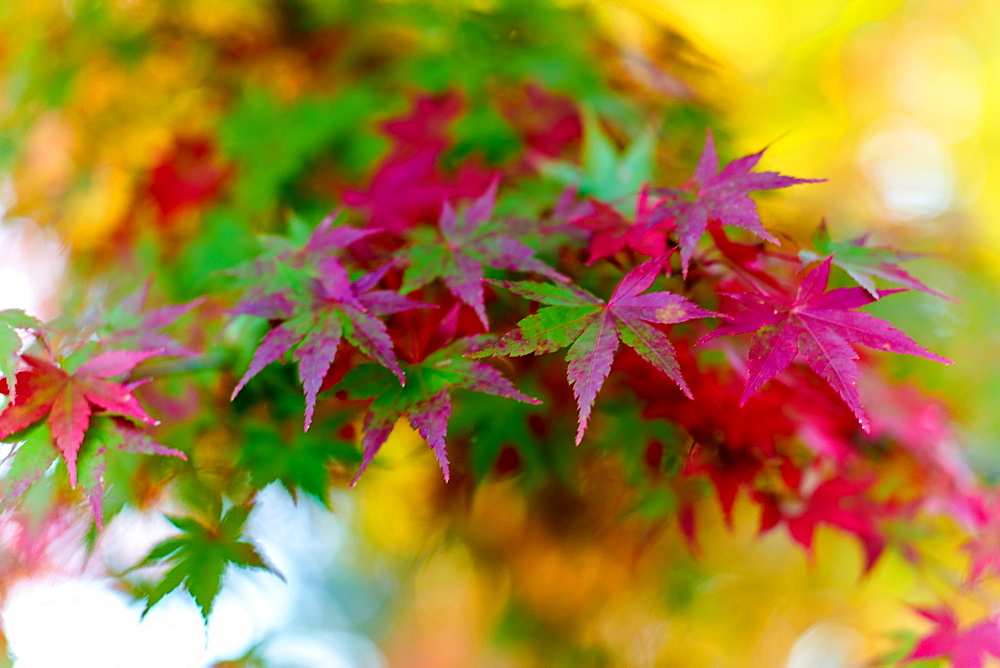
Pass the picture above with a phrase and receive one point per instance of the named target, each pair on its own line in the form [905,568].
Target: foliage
[489,146]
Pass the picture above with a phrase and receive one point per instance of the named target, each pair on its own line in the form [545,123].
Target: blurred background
[124,121]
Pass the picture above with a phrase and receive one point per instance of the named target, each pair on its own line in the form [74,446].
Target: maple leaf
[548,123]
[593,329]
[425,399]
[199,557]
[67,401]
[613,233]
[186,177]
[819,327]
[129,323]
[301,462]
[12,320]
[604,174]
[838,503]
[720,195]
[470,243]
[316,317]
[302,249]
[107,434]
[409,187]
[864,264]
[967,648]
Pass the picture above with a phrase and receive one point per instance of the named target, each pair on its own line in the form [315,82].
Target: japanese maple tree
[349,256]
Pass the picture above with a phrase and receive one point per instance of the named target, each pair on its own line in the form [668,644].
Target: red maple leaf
[720,195]
[818,326]
[613,232]
[967,648]
[409,186]
[549,124]
[188,176]
[836,502]
[66,401]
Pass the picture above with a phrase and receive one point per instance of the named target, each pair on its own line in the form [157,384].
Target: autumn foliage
[491,250]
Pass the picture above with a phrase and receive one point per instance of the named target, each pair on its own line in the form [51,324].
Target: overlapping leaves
[425,399]
[720,195]
[318,309]
[66,401]
[593,329]
[819,327]
[468,243]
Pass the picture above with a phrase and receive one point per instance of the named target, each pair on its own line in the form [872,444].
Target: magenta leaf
[466,245]
[275,343]
[320,314]
[315,355]
[593,330]
[817,327]
[719,195]
[589,363]
[967,648]
[377,429]
[430,418]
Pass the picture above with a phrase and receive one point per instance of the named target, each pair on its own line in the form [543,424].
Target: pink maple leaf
[818,326]
[720,195]
[967,648]
[468,244]
[593,329]
[427,406]
[336,308]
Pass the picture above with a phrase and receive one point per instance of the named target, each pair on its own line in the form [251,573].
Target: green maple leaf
[606,174]
[298,463]
[199,557]
[865,263]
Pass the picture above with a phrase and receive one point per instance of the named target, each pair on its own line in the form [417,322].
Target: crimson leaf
[818,326]
[66,401]
[593,329]
[613,233]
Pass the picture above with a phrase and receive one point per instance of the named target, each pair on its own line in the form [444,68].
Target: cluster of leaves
[476,240]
